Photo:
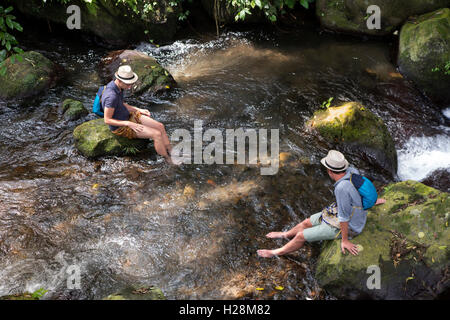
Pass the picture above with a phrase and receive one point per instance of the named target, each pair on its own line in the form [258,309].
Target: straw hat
[335,161]
[126,74]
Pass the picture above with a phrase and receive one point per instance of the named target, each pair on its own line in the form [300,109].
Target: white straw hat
[335,161]
[126,74]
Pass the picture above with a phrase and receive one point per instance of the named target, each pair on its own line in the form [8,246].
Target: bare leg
[155,135]
[291,233]
[151,123]
[295,244]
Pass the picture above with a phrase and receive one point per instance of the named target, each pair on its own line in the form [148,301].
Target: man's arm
[345,243]
[131,109]
[109,112]
[345,210]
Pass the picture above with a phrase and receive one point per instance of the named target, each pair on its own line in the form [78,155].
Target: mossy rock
[94,138]
[73,109]
[361,132]
[31,76]
[19,296]
[152,77]
[350,16]
[424,52]
[407,238]
[113,21]
[143,293]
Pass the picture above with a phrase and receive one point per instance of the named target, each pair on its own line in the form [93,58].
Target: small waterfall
[420,156]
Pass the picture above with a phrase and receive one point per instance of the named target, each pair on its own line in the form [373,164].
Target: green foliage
[8,41]
[326,104]
[39,293]
[271,8]
[445,70]
[130,150]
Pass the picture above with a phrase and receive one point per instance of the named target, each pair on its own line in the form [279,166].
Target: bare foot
[265,253]
[275,235]
[380,201]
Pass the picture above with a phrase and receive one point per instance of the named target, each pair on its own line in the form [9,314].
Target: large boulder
[94,138]
[357,130]
[28,77]
[350,16]
[408,238]
[424,54]
[152,77]
[115,22]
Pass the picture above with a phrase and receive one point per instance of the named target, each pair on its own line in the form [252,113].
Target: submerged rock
[424,53]
[20,296]
[152,77]
[94,138]
[29,77]
[408,238]
[359,131]
[351,16]
[73,109]
[144,293]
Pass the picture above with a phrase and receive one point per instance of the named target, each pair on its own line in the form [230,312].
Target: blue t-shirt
[349,201]
[113,98]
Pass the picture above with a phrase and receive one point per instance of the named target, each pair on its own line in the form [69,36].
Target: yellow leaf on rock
[95,186]
[260,289]
[279,288]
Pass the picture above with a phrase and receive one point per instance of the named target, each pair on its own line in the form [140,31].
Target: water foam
[420,156]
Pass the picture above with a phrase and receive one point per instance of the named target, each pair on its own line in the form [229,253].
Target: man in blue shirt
[128,121]
[351,217]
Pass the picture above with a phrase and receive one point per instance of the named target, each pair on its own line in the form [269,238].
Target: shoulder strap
[104,87]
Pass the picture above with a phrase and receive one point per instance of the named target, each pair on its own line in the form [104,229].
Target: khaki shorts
[320,230]
[127,132]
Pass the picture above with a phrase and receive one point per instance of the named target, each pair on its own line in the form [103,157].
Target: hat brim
[334,169]
[127,81]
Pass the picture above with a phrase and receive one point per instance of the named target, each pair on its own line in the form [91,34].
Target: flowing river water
[128,221]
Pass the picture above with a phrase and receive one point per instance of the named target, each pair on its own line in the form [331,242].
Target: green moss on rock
[424,50]
[73,109]
[152,77]
[352,125]
[34,74]
[351,15]
[94,139]
[421,215]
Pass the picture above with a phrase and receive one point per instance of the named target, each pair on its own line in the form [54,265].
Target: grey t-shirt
[113,98]
[348,200]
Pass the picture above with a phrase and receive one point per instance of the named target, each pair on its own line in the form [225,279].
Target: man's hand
[353,249]
[144,112]
[136,126]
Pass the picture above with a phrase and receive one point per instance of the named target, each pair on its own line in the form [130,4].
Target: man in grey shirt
[351,217]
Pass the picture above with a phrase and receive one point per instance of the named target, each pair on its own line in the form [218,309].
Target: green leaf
[443,247]
[8,46]
[8,10]
[9,23]
[258,3]
[304,3]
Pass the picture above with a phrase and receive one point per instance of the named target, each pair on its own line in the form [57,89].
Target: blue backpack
[97,106]
[366,190]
